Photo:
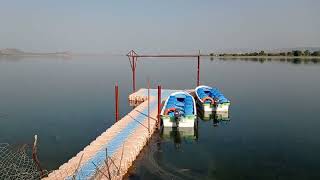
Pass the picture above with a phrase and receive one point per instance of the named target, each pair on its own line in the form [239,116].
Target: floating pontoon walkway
[113,152]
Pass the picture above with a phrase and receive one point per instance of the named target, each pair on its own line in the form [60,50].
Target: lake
[272,131]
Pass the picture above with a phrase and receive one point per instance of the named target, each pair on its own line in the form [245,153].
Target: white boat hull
[206,107]
[183,122]
[212,108]
[223,107]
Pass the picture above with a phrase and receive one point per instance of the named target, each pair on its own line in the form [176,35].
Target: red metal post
[198,73]
[133,57]
[159,106]
[149,106]
[116,89]
[35,156]
[134,74]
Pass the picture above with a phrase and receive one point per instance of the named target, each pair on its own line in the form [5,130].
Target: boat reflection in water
[216,117]
[180,134]
[190,134]
[222,116]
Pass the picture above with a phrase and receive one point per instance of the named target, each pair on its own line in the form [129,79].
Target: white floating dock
[121,143]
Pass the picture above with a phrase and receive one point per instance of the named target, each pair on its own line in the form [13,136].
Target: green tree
[297,53]
[262,53]
[306,53]
[254,54]
[315,53]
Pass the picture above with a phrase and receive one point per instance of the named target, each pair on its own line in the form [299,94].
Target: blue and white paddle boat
[179,110]
[211,99]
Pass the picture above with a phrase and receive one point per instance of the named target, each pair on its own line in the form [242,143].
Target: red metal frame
[133,57]
[116,89]
[149,106]
[159,106]
[198,72]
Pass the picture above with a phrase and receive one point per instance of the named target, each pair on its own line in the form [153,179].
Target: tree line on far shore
[294,53]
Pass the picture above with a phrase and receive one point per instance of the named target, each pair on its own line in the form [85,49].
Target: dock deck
[112,153]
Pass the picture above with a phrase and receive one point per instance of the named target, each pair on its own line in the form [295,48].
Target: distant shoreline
[267,57]
[37,55]
[19,53]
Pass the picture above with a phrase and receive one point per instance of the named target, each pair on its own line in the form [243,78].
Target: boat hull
[185,120]
[223,107]
[182,122]
[206,107]
[211,108]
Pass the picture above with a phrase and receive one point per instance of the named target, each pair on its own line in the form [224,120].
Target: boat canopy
[213,93]
[182,102]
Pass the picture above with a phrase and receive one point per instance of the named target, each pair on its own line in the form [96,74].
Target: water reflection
[154,164]
[296,61]
[134,104]
[191,134]
[222,116]
[213,115]
[216,117]
[179,135]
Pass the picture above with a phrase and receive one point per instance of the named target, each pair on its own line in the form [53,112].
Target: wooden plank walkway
[111,154]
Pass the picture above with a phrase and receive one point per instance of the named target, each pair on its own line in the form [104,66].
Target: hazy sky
[164,25]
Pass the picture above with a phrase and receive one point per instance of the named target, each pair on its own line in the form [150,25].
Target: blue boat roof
[180,96]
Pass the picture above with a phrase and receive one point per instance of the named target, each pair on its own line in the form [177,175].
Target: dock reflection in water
[179,135]
[155,163]
[190,134]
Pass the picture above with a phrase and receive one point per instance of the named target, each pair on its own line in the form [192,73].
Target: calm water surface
[273,132]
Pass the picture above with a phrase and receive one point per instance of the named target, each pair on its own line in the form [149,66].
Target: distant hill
[18,52]
[10,51]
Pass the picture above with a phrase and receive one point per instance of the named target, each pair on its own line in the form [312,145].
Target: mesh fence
[16,163]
